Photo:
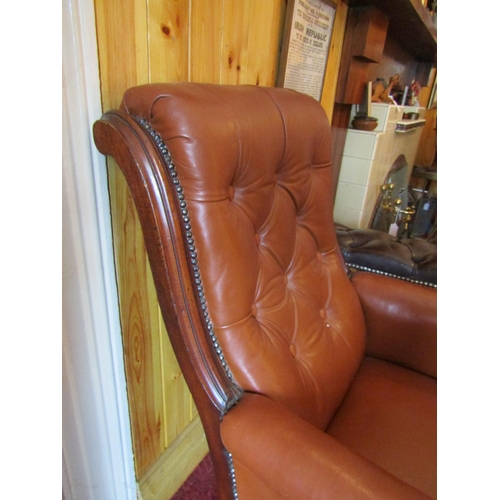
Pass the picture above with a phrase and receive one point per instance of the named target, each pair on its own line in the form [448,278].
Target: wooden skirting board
[174,466]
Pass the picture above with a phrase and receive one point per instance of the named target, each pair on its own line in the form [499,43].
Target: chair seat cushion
[389,416]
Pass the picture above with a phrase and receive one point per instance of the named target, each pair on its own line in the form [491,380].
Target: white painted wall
[97,449]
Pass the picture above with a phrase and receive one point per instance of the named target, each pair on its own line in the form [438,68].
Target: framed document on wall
[306,45]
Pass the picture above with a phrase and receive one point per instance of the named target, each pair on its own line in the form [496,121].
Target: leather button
[322,313]
[319,255]
[254,310]
[230,194]
[257,239]
[293,350]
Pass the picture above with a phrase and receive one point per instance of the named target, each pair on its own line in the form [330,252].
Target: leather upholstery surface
[389,416]
[258,184]
[409,258]
[401,321]
[278,455]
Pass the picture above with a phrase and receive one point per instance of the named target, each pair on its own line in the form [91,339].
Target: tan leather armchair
[309,384]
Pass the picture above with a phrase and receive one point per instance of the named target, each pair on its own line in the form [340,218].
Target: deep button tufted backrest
[255,167]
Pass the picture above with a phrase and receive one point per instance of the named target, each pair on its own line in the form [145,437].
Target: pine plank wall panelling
[147,41]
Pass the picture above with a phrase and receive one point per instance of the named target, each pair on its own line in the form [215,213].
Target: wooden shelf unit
[407,22]
[410,24]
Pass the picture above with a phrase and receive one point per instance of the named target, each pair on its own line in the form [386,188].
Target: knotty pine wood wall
[147,41]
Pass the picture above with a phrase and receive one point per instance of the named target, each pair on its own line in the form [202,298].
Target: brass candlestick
[399,215]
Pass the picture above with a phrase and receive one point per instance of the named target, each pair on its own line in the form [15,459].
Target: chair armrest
[295,460]
[401,321]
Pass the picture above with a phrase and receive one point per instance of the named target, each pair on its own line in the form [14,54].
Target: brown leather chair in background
[309,384]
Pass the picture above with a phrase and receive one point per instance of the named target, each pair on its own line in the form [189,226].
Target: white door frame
[97,445]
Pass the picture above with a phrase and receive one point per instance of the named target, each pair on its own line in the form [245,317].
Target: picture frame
[307,36]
